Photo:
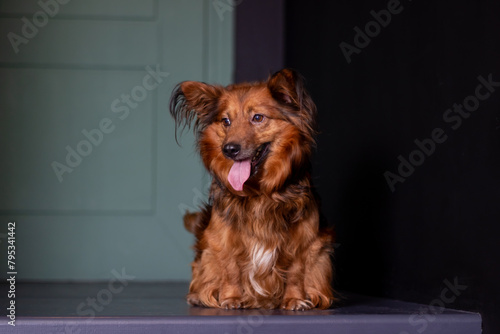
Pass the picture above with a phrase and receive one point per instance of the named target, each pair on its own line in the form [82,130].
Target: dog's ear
[285,87]
[192,100]
[288,88]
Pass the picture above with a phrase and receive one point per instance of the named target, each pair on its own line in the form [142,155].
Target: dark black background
[442,223]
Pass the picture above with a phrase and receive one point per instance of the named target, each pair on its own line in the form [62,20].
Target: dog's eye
[257,118]
[226,122]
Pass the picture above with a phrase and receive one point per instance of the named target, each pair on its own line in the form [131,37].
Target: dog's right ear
[192,100]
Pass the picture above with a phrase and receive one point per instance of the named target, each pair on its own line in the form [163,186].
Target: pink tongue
[239,173]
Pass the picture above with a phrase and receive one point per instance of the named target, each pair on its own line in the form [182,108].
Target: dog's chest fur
[263,261]
[262,233]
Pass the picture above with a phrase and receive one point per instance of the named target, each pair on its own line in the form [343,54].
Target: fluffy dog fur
[258,241]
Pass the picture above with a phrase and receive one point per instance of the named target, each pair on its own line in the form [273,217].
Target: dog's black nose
[231,150]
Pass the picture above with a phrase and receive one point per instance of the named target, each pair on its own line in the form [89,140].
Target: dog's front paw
[294,304]
[193,299]
[231,303]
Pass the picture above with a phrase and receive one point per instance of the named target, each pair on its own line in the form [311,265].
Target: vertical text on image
[11,272]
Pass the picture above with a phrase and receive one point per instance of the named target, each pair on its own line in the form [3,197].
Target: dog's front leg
[230,296]
[225,246]
[295,298]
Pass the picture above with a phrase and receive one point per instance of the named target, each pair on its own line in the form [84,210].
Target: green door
[90,170]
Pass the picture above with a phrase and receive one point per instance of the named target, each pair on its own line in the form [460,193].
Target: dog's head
[252,137]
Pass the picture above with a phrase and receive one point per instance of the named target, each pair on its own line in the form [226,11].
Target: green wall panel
[90,169]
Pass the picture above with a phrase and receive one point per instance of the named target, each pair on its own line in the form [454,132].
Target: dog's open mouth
[259,156]
[243,169]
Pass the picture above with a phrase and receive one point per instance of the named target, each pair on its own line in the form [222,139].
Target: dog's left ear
[287,87]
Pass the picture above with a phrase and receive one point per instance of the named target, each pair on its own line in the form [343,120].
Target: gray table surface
[161,308]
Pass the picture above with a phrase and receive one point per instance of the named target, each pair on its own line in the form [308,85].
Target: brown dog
[258,242]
